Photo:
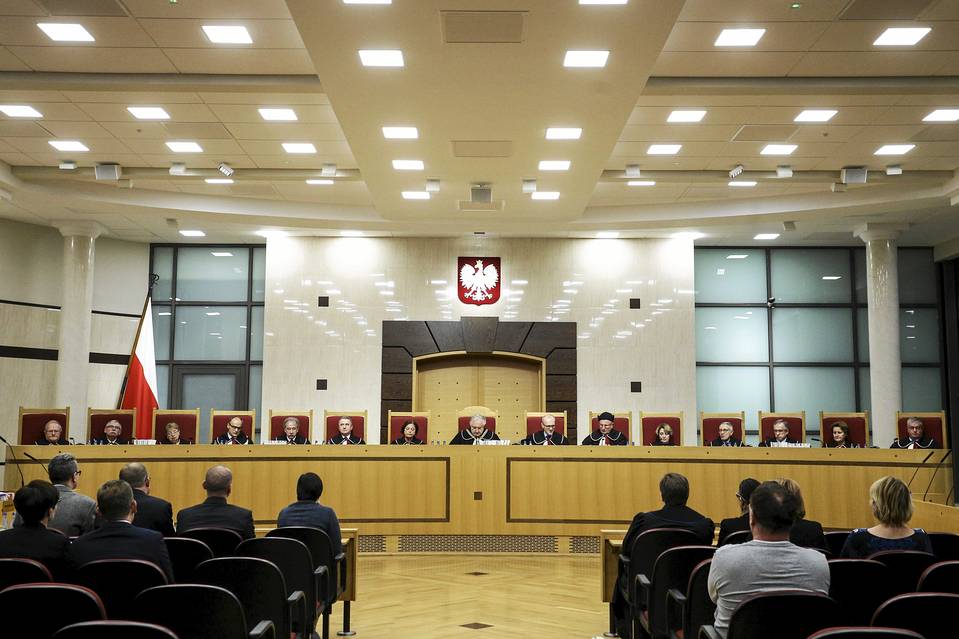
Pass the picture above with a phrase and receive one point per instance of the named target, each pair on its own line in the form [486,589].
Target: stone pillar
[73,362]
[882,283]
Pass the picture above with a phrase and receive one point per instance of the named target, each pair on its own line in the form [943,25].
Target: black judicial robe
[402,441]
[906,442]
[656,442]
[43,442]
[181,441]
[299,440]
[465,437]
[539,439]
[346,440]
[732,441]
[615,438]
[771,440]
[103,441]
[224,439]
[843,445]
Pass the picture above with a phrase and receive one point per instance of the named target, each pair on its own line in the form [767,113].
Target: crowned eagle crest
[478,281]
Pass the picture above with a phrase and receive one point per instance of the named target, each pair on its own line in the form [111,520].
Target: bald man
[215,512]
[546,435]
[52,435]
[234,434]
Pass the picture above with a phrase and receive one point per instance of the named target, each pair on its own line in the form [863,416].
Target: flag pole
[154,278]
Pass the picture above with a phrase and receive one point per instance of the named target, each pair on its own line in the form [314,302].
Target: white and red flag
[140,391]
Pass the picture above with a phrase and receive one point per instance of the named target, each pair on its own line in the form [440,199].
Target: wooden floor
[432,596]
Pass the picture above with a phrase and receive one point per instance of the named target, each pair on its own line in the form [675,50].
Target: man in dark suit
[117,537]
[215,512]
[52,435]
[780,435]
[152,512]
[307,511]
[36,503]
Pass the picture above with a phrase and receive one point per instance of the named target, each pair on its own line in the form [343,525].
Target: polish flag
[141,389]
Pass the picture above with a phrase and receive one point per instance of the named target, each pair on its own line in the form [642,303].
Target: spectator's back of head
[773,508]
[62,468]
[891,501]
[309,487]
[219,481]
[674,489]
[792,487]
[35,500]
[746,488]
[115,500]
[134,474]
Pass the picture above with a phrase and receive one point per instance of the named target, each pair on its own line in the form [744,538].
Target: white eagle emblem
[478,281]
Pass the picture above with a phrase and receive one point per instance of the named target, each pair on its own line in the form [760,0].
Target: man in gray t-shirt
[769,561]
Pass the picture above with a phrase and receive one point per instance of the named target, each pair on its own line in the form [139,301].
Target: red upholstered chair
[395,421]
[934,425]
[277,417]
[534,422]
[709,426]
[32,421]
[220,418]
[463,417]
[332,417]
[858,427]
[649,422]
[97,419]
[622,421]
[187,420]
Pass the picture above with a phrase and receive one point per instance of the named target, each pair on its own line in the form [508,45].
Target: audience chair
[261,589]
[196,611]
[39,610]
[865,632]
[119,581]
[671,571]
[738,537]
[321,549]
[931,614]
[859,586]
[185,555]
[940,577]
[22,571]
[114,630]
[945,546]
[836,539]
[221,541]
[905,566]
[765,615]
[687,613]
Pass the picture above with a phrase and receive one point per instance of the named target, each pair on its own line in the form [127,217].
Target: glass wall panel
[732,389]
[163,387]
[810,275]
[861,291]
[163,266]
[730,275]
[256,397]
[921,389]
[211,274]
[731,335]
[256,333]
[919,335]
[862,326]
[865,392]
[259,274]
[917,277]
[161,332]
[208,392]
[813,389]
[812,335]
[210,333]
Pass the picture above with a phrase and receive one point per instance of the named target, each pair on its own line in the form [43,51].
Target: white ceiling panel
[107,31]
[241,61]
[188,34]
[10,62]
[158,147]
[732,63]
[734,13]
[94,59]
[21,129]
[133,97]
[859,36]
[260,98]
[225,9]
[76,130]
[287,131]
[248,113]
[106,112]
[779,36]
[875,63]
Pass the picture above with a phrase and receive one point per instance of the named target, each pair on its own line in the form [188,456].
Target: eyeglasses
[79,472]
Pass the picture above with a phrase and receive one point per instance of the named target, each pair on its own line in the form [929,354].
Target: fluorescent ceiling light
[192,233]
[607,235]
[554,165]
[739,37]
[299,147]
[778,149]
[586,59]
[400,132]
[184,147]
[737,256]
[563,133]
[416,195]
[939,115]
[227,34]
[65,32]
[832,278]
[218,181]
[641,183]
[815,115]
[766,236]
[351,233]
[68,145]
[686,116]
[688,235]
[213,314]
[221,254]
[742,183]
[901,36]
[367,1]
[320,182]
[381,57]
[545,195]
[894,149]
[149,113]
[603,1]
[268,233]
[19,111]
[408,165]
[663,149]
[274,114]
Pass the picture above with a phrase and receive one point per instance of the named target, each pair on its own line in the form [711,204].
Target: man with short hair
[605,434]
[111,435]
[152,512]
[780,435]
[726,438]
[769,561]
[345,437]
[234,434]
[75,513]
[475,433]
[546,435]
[35,503]
[215,512]
[291,431]
[915,436]
[307,511]
[117,537]
[52,435]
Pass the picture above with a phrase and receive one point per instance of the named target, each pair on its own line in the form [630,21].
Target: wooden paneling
[397,360]
[510,336]
[545,336]
[413,336]
[397,386]
[561,388]
[561,361]
[479,334]
[448,335]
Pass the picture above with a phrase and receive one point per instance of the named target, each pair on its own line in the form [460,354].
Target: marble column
[882,283]
[73,362]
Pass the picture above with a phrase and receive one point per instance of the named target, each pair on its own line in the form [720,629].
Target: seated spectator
[916,436]
[892,507]
[152,512]
[664,436]
[409,436]
[736,524]
[307,511]
[111,435]
[52,435]
[215,512]
[840,437]
[76,513]
[768,562]
[36,503]
[117,537]
[173,435]
[234,434]
[546,435]
[805,532]
[780,435]
[605,434]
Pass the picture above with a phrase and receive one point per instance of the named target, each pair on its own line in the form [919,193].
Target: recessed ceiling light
[603,1]
[381,57]
[607,235]
[68,145]
[739,37]
[894,149]
[408,165]
[563,133]
[901,36]
[19,111]
[663,149]
[545,195]
[686,116]
[400,132]
[778,149]
[227,34]
[221,254]
[939,115]
[65,32]
[299,147]
[737,256]
[766,236]
[218,181]
[554,165]
[149,113]
[641,183]
[268,233]
[586,59]
[832,278]
[688,235]
[416,195]
[275,114]
[742,183]
[815,115]
[188,233]
[184,147]
[367,1]
[320,182]
[351,233]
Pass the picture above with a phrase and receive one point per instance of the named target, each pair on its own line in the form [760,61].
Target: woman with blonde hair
[892,507]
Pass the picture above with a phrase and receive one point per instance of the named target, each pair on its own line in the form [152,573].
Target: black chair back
[222,541]
[836,539]
[22,571]
[859,586]
[321,549]
[905,566]
[39,610]
[293,559]
[940,577]
[700,609]
[647,548]
[119,581]
[671,570]
[738,537]
[196,611]
[185,555]
[945,546]
[931,614]
[784,614]
[114,630]
[865,632]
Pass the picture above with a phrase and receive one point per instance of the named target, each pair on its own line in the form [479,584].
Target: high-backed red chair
[650,422]
[220,418]
[32,421]
[187,420]
[934,425]
[795,421]
[534,422]
[395,421]
[622,421]
[463,417]
[858,424]
[709,426]
[98,418]
[331,419]
[277,417]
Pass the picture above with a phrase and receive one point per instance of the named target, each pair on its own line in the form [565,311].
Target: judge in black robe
[726,438]
[840,437]
[234,434]
[476,432]
[291,433]
[345,437]
[52,435]
[547,435]
[111,435]
[409,435]
[915,438]
[173,435]
[780,435]
[664,436]
[606,435]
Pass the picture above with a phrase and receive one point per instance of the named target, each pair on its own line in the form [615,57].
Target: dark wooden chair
[185,555]
[783,614]
[118,582]
[940,577]
[22,571]
[931,614]
[221,541]
[905,566]
[671,571]
[836,539]
[859,586]
[114,630]
[738,537]
[690,609]
[945,546]
[864,632]
[39,610]
[198,611]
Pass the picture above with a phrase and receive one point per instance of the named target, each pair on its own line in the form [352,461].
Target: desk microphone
[938,466]
[14,455]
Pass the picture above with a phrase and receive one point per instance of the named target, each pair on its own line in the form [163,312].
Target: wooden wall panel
[511,335]
[397,359]
[415,337]
[448,336]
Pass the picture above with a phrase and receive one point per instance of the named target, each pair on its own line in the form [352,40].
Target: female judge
[173,435]
[840,437]
[408,438]
[664,435]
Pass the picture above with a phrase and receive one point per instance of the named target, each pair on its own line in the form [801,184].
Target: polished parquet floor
[433,596]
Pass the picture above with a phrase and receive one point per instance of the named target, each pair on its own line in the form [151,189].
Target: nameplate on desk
[275,442]
[491,442]
[788,445]
[144,442]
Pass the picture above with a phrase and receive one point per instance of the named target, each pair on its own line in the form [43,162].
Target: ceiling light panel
[778,149]
[563,133]
[586,59]
[19,111]
[408,165]
[686,116]
[65,32]
[275,114]
[184,147]
[218,181]
[149,113]
[641,183]
[381,57]
[401,132]
[227,34]
[739,37]
[663,149]
[815,115]
[299,147]
[189,233]
[68,145]
[554,165]
[742,183]
[939,115]
[320,182]
[766,236]
[901,36]
[416,195]
[545,195]
[895,149]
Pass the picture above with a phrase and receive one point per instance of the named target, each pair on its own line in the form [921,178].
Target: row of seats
[945,546]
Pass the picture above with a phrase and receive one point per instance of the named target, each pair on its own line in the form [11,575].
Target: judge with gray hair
[476,432]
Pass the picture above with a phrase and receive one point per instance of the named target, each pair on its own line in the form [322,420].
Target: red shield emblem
[478,280]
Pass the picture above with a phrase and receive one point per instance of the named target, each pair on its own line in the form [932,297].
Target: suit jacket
[121,540]
[732,441]
[43,442]
[539,439]
[401,441]
[153,513]
[103,441]
[182,441]
[670,517]
[216,513]
[224,439]
[733,524]
[340,438]
[616,438]
[805,532]
[771,440]
[313,515]
[75,514]
[36,542]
